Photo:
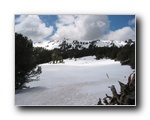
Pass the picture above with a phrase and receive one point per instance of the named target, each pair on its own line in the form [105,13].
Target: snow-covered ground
[81,82]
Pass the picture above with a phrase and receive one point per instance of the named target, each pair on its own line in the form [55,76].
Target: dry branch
[126,95]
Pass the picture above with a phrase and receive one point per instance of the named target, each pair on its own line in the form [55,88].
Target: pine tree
[24,65]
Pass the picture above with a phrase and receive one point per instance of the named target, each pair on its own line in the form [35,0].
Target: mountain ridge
[80,44]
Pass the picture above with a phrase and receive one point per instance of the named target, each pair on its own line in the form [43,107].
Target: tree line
[27,58]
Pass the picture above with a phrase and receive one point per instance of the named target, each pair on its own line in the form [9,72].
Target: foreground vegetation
[25,65]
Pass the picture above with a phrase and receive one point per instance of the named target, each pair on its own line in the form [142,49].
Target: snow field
[78,83]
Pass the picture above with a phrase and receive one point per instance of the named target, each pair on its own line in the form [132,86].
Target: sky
[39,28]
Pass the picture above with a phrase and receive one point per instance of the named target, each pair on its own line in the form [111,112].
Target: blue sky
[84,27]
[120,21]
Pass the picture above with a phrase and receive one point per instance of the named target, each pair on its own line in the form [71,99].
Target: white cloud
[131,22]
[83,27]
[120,34]
[32,27]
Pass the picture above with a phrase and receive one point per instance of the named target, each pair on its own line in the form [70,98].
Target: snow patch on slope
[49,45]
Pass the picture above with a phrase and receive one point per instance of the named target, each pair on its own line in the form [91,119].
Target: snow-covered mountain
[79,44]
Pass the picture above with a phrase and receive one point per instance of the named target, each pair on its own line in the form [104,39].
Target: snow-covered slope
[78,43]
[81,82]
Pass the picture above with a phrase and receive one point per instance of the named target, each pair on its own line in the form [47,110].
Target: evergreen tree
[41,55]
[24,65]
